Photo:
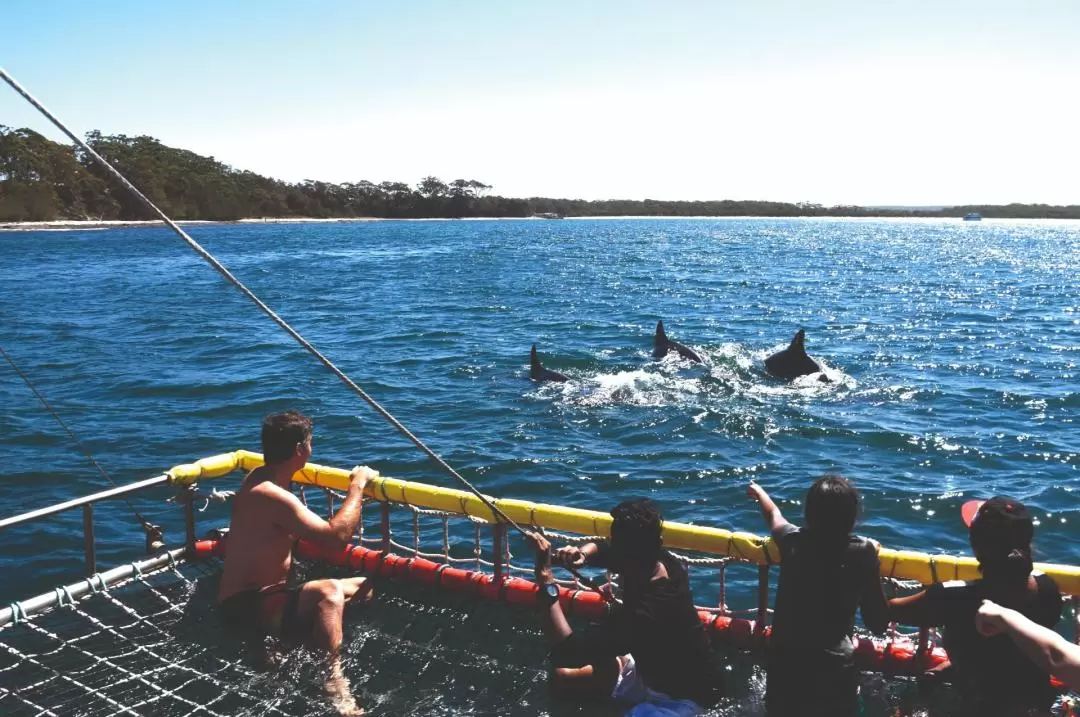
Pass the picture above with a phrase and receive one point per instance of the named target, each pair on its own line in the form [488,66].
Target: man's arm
[1047,649]
[297,519]
[576,557]
[774,519]
[919,610]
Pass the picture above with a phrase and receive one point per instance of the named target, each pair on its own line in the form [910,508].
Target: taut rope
[262,306]
[146,524]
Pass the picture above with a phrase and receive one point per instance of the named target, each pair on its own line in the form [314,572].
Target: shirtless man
[267,519]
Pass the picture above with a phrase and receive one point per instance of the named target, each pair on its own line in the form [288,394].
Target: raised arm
[774,519]
[1047,649]
[294,517]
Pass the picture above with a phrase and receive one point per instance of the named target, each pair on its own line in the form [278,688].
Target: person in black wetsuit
[993,673]
[826,574]
[652,651]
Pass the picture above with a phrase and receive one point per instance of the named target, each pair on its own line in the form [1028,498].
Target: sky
[833,102]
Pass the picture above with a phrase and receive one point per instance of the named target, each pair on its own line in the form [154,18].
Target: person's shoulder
[787,537]
[676,572]
[1045,583]
[956,592]
[269,491]
[1048,599]
[788,531]
[858,542]
[863,546]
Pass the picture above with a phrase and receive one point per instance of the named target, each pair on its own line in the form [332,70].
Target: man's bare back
[267,519]
[260,550]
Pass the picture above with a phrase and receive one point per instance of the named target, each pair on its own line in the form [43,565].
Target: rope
[257,301]
[146,525]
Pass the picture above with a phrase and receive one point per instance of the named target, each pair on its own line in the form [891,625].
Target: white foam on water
[638,388]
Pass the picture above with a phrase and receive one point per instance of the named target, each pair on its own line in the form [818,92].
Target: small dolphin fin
[534,363]
[660,334]
[798,343]
[537,372]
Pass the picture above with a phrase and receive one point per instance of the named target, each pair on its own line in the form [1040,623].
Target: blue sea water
[954,350]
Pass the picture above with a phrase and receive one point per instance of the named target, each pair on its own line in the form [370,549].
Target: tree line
[42,180]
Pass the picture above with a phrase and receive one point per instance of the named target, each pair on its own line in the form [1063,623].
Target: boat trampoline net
[152,644]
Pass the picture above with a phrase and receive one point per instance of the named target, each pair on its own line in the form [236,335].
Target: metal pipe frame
[95,583]
[85,500]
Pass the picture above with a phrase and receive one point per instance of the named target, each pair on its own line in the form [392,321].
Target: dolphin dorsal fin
[533,358]
[660,330]
[797,343]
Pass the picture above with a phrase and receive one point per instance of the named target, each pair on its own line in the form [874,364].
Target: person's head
[1001,531]
[635,537]
[832,505]
[286,435]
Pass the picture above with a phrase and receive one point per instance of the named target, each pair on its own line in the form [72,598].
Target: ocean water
[954,349]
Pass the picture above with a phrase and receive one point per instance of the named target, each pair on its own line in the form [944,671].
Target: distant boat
[973,217]
[548,215]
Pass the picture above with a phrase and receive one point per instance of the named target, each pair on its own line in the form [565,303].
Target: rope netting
[133,648]
[152,644]
[488,552]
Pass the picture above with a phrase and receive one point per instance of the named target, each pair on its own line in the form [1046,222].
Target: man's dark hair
[635,532]
[280,434]
[832,505]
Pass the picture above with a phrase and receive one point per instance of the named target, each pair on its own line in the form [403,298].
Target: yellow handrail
[902,564]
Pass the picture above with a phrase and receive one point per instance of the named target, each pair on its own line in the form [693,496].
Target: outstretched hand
[755,491]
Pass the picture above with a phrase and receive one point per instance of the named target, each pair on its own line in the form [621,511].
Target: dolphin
[793,362]
[662,345]
[538,373]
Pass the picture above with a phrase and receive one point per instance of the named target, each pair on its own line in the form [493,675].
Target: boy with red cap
[1000,679]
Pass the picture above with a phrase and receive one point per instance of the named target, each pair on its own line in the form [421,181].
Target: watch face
[552,591]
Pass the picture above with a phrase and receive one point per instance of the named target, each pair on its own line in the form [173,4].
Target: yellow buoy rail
[900,564]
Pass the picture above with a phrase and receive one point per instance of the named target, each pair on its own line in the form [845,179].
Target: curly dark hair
[636,531]
[281,432]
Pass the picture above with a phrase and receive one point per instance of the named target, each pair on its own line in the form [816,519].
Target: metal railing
[153,539]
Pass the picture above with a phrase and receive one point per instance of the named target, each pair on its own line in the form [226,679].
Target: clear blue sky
[834,102]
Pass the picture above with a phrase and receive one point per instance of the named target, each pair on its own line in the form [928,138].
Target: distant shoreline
[67,183]
[75,224]
[87,224]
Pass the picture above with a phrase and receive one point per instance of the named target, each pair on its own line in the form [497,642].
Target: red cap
[969,510]
[1001,513]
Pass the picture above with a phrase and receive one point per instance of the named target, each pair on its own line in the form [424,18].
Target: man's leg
[357,590]
[320,604]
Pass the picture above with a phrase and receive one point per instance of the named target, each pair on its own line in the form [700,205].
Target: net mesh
[152,645]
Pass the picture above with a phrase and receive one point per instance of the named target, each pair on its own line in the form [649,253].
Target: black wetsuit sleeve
[1049,600]
[784,539]
[785,530]
[602,557]
[872,603]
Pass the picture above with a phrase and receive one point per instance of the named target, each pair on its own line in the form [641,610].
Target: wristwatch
[548,593]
